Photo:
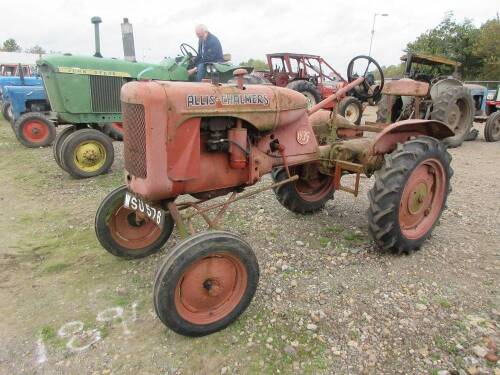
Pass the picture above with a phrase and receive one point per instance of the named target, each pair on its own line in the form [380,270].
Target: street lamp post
[373,29]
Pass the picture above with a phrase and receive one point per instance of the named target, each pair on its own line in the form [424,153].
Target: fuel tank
[165,147]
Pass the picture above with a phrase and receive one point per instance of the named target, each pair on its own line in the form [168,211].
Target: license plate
[136,204]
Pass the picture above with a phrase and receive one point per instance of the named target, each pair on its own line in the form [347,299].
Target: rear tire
[409,194]
[87,153]
[306,88]
[303,196]
[351,109]
[492,127]
[114,130]
[205,283]
[34,129]
[455,107]
[383,110]
[121,236]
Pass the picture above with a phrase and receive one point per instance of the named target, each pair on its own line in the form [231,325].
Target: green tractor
[84,91]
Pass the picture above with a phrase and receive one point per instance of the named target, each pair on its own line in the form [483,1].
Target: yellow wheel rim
[90,156]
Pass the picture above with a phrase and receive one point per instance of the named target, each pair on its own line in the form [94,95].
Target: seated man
[209,50]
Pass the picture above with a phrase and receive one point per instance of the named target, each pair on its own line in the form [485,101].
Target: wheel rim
[210,288]
[35,131]
[130,232]
[422,199]
[311,100]
[352,113]
[314,185]
[90,156]
[458,117]
[495,129]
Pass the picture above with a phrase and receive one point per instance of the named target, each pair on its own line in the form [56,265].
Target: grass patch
[354,237]
[444,303]
[56,267]
[48,333]
[334,229]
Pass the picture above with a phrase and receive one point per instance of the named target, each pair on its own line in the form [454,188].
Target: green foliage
[476,48]
[10,45]
[256,64]
[391,71]
[36,49]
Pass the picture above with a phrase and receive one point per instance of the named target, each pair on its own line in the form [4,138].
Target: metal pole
[373,32]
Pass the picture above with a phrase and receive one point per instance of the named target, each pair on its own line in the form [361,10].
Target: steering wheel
[365,91]
[184,47]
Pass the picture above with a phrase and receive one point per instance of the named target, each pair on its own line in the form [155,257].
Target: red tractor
[209,140]
[315,78]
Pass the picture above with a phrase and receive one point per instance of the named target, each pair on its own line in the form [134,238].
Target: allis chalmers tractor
[312,76]
[207,140]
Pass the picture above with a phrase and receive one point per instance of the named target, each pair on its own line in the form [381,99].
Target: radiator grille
[134,128]
[105,93]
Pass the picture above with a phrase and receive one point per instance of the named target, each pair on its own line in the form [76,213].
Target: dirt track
[327,302]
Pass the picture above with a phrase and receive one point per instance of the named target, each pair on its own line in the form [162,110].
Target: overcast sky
[337,30]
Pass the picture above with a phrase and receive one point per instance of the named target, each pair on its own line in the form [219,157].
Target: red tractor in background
[312,76]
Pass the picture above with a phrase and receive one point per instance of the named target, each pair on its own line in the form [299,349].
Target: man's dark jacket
[209,50]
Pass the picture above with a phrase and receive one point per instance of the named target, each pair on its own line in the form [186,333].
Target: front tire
[351,109]
[205,283]
[118,231]
[409,194]
[306,195]
[34,129]
[455,107]
[492,127]
[58,142]
[87,153]
[7,111]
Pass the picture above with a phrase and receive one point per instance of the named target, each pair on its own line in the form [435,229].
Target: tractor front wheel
[60,138]
[114,130]
[122,233]
[409,194]
[492,127]
[34,129]
[306,195]
[87,153]
[351,109]
[205,283]
[7,111]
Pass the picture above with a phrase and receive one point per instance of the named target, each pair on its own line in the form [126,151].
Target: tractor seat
[406,87]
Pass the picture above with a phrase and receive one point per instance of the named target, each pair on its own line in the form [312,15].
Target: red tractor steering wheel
[365,91]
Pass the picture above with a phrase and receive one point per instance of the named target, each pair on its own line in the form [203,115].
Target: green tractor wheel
[86,153]
[60,138]
[34,129]
[492,127]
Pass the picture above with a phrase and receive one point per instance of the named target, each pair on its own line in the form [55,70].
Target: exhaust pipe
[128,41]
[96,21]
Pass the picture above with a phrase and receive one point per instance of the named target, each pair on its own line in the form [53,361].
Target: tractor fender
[401,131]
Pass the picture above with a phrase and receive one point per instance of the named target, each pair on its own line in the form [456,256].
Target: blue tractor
[10,81]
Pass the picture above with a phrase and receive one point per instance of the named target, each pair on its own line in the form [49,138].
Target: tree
[256,64]
[487,48]
[36,49]
[452,40]
[10,45]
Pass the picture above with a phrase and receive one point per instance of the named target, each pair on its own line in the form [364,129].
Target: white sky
[337,30]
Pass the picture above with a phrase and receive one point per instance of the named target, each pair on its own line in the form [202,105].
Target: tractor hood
[90,65]
[263,106]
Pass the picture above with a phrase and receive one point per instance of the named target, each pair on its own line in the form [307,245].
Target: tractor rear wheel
[7,111]
[34,129]
[122,234]
[492,127]
[306,195]
[87,153]
[383,109]
[114,130]
[205,283]
[60,138]
[351,109]
[409,194]
[455,107]
[307,89]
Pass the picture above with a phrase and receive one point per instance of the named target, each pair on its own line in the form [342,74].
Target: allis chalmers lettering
[226,99]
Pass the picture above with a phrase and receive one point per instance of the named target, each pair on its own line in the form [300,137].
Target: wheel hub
[454,116]
[89,156]
[35,131]
[417,198]
[351,113]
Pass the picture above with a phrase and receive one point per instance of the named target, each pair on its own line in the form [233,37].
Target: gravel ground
[328,301]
